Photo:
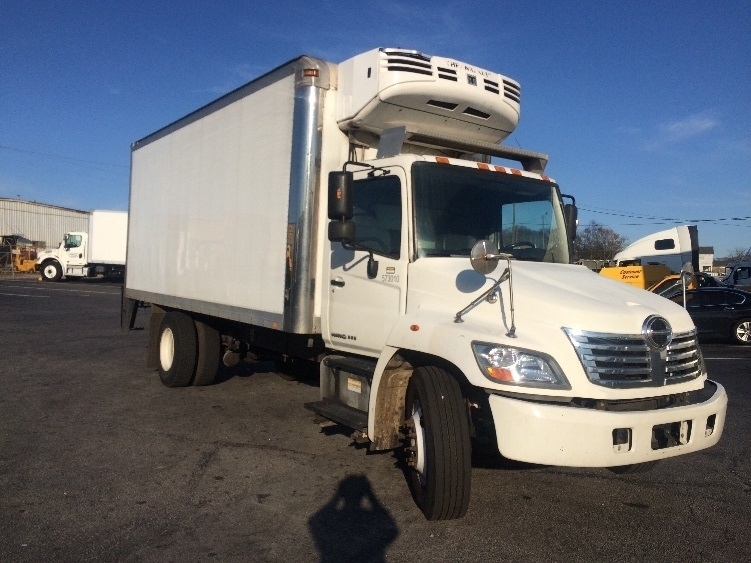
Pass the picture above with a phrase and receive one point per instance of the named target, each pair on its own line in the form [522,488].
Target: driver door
[75,249]
[366,301]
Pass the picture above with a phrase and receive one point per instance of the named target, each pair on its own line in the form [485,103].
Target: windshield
[456,206]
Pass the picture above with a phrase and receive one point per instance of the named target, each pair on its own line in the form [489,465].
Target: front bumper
[552,434]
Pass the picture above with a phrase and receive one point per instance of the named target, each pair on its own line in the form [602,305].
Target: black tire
[438,445]
[177,350]
[634,468]
[209,352]
[51,271]
[742,332]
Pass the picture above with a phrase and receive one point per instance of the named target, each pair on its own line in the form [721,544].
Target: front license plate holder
[671,434]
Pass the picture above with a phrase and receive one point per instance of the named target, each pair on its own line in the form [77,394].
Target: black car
[718,312]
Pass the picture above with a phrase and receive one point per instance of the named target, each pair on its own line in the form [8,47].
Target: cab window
[378,215]
[73,241]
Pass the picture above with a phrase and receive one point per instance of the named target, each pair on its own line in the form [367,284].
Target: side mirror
[571,215]
[341,207]
[342,231]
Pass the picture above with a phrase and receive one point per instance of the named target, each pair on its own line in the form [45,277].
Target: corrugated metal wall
[40,222]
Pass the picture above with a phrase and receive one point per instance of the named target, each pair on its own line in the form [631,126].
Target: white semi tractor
[100,250]
[365,216]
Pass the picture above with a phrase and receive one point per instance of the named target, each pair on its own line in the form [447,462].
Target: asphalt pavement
[99,461]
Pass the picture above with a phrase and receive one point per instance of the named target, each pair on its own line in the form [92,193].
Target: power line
[63,158]
[654,220]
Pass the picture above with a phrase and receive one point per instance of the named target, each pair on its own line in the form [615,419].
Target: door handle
[338,282]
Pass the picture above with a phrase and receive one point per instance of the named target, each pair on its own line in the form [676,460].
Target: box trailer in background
[360,215]
[100,251]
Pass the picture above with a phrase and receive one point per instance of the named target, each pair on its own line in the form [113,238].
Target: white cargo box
[221,216]
[108,233]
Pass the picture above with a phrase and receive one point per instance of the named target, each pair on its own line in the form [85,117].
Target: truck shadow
[353,525]
[243,369]
[301,371]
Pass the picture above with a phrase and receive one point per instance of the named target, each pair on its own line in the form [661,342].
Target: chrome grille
[627,361]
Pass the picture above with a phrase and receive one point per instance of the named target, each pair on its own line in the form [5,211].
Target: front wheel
[51,271]
[742,332]
[438,446]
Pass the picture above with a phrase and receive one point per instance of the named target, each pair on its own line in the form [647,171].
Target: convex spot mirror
[484,257]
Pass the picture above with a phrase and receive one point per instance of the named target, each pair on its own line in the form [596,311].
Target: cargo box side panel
[107,235]
[209,206]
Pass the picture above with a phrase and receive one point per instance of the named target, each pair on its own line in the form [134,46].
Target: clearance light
[313,72]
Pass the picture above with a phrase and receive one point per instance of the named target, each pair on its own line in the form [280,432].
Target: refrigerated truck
[364,215]
[100,250]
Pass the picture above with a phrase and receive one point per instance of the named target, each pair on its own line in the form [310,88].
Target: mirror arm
[372,268]
[485,295]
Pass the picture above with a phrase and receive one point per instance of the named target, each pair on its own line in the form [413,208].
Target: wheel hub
[743,332]
[167,349]
[415,448]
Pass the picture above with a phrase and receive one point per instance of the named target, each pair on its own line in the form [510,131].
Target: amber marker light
[500,374]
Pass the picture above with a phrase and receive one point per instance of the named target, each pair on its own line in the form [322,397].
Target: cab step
[337,412]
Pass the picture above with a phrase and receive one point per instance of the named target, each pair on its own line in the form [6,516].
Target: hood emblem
[657,332]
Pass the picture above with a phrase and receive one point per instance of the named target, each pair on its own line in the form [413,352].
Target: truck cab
[70,258]
[533,348]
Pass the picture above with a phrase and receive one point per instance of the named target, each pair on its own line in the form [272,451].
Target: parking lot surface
[99,461]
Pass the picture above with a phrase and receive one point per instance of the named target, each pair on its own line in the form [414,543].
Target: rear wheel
[742,332]
[438,445]
[177,350]
[209,351]
[51,271]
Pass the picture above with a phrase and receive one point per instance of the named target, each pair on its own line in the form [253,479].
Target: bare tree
[597,242]
[739,253]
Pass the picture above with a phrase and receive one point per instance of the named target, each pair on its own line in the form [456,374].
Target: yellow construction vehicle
[24,259]
[642,277]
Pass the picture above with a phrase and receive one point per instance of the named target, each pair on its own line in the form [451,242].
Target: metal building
[40,222]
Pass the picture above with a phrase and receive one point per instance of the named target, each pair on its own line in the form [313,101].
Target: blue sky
[643,107]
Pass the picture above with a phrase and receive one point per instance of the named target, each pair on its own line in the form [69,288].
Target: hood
[546,297]
[45,254]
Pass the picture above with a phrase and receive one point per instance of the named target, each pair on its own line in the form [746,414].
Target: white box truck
[101,250]
[359,215]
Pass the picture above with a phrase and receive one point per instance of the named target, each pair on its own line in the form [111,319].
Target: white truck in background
[672,248]
[656,257]
[356,214]
[101,250]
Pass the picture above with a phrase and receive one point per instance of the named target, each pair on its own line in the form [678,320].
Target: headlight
[504,364]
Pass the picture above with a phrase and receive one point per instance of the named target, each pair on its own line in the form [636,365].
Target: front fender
[432,334]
